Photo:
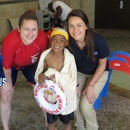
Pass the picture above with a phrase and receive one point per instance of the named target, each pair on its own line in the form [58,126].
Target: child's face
[58,42]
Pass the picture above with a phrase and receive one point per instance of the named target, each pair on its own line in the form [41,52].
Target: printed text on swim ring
[61,102]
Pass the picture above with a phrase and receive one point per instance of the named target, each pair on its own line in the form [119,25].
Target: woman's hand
[90,94]
[7,87]
[52,77]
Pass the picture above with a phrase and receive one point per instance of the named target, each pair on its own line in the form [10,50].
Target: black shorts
[63,118]
[28,72]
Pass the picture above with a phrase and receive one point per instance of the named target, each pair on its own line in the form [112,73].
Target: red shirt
[16,54]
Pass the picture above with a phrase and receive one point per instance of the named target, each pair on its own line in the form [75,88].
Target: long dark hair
[89,38]
[28,15]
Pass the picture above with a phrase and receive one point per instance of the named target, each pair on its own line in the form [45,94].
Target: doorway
[112,14]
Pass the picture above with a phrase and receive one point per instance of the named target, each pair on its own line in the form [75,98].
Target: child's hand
[41,79]
[78,92]
[52,77]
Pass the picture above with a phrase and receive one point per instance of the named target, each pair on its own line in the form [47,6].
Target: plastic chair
[120,64]
[104,92]
[13,22]
[120,61]
[97,103]
[122,54]
[112,62]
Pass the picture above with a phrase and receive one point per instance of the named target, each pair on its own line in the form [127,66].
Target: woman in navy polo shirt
[91,52]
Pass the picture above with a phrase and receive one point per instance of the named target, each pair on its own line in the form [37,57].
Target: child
[58,64]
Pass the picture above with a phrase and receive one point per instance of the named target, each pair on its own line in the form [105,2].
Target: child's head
[60,31]
[58,38]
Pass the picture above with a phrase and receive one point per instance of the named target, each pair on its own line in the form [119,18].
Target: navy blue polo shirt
[84,64]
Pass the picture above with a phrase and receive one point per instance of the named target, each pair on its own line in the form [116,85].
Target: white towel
[66,78]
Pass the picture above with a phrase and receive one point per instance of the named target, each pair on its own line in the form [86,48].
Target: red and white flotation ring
[61,102]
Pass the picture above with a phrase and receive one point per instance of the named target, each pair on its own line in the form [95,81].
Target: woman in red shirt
[21,50]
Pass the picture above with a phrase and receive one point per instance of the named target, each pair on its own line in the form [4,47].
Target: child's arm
[41,76]
[41,79]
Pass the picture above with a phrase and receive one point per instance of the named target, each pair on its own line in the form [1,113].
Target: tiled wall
[88,6]
[15,10]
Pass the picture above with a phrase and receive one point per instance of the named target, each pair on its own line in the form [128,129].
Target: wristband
[77,85]
[90,85]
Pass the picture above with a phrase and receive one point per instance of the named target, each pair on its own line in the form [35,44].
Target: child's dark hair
[28,15]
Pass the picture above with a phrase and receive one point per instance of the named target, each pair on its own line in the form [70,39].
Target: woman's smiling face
[77,28]
[28,31]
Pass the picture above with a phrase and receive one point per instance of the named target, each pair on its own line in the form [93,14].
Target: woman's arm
[89,90]
[57,15]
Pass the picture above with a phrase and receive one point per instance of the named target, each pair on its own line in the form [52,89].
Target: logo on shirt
[2,81]
[95,53]
[34,58]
